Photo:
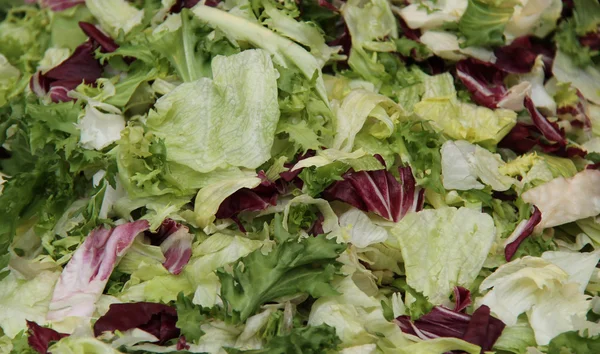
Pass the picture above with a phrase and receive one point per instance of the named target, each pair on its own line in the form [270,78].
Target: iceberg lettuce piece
[463,163]
[563,200]
[115,16]
[586,80]
[443,248]
[463,121]
[25,299]
[232,125]
[549,295]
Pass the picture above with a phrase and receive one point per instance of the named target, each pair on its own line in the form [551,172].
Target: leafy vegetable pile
[305,176]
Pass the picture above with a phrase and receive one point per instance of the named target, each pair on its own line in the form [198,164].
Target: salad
[310,176]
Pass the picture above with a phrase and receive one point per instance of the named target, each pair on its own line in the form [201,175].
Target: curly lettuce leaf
[291,267]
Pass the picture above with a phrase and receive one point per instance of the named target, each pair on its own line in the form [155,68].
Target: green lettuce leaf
[484,21]
[372,29]
[243,92]
[541,288]
[568,43]
[81,345]
[291,267]
[24,36]
[310,340]
[189,318]
[115,16]
[143,167]
[418,144]
[587,16]
[150,281]
[516,338]
[443,248]
[432,14]
[9,75]
[301,32]
[463,163]
[441,345]
[356,108]
[183,41]
[463,121]
[283,50]
[25,299]
[358,318]
[64,29]
[571,343]
[586,80]
[536,18]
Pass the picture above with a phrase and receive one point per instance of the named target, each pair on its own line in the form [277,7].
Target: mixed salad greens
[261,176]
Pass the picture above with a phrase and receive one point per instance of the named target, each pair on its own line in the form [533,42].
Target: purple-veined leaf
[550,130]
[156,319]
[83,279]
[480,328]
[245,199]
[99,38]
[462,298]
[378,192]
[519,56]
[175,241]
[484,81]
[523,230]
[59,5]
[40,337]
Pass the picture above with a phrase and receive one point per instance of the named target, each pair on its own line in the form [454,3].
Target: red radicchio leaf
[523,137]
[462,298]
[188,4]
[591,39]
[378,192]
[175,241]
[520,139]
[59,5]
[484,81]
[593,166]
[80,67]
[523,230]
[182,344]
[414,34]
[40,337]
[290,176]
[519,56]
[345,41]
[550,130]
[578,111]
[257,198]
[483,330]
[156,319]
[317,226]
[106,43]
[327,5]
[480,328]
